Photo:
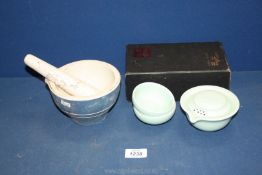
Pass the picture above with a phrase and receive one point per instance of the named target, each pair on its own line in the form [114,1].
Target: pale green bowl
[153,103]
[209,108]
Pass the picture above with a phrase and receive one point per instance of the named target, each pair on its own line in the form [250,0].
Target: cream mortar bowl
[153,103]
[102,76]
[209,108]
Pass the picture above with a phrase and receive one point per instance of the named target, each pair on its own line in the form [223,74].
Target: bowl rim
[148,112]
[92,97]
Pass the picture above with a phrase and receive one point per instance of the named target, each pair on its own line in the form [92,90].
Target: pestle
[69,84]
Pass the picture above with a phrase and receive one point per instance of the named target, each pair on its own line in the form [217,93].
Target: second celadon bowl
[153,103]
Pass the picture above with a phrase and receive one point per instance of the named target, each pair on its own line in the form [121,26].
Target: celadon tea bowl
[153,103]
[209,108]
[102,76]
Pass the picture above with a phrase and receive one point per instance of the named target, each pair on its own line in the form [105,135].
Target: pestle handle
[64,81]
[39,65]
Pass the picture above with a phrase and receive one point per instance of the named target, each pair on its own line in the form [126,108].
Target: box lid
[153,58]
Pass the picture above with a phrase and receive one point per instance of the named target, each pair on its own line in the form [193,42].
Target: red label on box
[142,52]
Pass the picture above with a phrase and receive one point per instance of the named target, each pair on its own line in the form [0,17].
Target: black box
[177,66]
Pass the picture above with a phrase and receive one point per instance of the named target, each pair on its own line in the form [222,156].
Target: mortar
[84,90]
[92,109]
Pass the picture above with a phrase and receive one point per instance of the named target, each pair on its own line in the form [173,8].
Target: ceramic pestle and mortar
[84,90]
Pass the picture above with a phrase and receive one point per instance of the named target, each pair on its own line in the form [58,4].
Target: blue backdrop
[64,31]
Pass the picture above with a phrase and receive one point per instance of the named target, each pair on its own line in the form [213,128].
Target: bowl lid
[210,103]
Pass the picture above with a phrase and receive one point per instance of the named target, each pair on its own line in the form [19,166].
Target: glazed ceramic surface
[71,85]
[86,110]
[209,108]
[153,103]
